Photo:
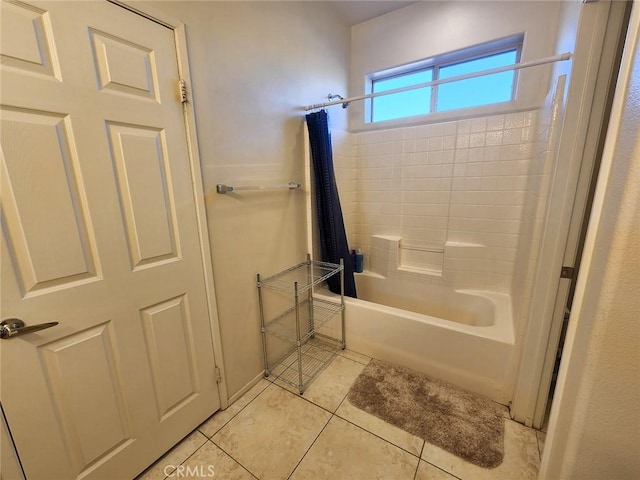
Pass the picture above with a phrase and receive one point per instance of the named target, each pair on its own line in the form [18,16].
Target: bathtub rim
[501,331]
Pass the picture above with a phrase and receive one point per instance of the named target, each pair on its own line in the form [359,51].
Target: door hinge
[567,272]
[218,376]
[183,91]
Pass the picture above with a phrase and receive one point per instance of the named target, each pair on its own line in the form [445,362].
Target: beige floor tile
[288,378]
[211,462]
[379,427]
[521,458]
[178,454]
[346,451]
[282,366]
[271,434]
[332,385]
[219,419]
[355,356]
[426,471]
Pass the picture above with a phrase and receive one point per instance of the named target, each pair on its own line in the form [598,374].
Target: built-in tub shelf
[299,324]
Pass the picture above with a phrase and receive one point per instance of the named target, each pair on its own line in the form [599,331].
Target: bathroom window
[473,92]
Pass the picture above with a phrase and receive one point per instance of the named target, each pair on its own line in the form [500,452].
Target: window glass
[473,92]
[477,91]
[405,104]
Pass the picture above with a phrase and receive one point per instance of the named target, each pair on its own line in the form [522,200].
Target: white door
[99,233]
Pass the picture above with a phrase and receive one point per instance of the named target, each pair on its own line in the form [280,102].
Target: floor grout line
[234,459]
[191,455]
[415,474]
[233,416]
[310,447]
[335,414]
[378,436]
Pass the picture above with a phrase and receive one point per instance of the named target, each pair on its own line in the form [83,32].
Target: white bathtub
[461,336]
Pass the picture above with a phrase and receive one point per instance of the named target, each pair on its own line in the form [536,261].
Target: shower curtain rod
[491,71]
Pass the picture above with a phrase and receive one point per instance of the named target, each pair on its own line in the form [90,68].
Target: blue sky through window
[473,92]
[405,104]
[477,91]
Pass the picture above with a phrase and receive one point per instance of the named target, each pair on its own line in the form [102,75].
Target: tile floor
[274,433]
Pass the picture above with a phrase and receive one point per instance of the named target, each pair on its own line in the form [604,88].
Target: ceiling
[358,11]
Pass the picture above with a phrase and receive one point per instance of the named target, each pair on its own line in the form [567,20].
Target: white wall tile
[478,125]
[495,122]
[465,181]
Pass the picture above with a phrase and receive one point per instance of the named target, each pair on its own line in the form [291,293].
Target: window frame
[476,52]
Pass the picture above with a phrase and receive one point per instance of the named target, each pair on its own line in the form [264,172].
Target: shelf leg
[298,337]
[344,345]
[262,328]
[312,323]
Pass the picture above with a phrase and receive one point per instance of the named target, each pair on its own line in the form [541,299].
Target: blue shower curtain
[333,238]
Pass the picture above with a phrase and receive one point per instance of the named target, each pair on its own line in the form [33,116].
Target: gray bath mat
[463,423]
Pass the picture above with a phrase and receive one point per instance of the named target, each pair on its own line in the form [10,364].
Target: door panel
[99,233]
[122,66]
[168,333]
[41,157]
[81,372]
[25,40]
[139,155]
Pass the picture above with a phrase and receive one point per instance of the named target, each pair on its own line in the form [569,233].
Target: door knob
[12,327]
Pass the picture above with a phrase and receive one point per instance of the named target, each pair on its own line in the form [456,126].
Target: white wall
[253,66]
[594,430]
[425,29]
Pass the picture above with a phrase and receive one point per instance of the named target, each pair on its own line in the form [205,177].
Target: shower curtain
[333,238]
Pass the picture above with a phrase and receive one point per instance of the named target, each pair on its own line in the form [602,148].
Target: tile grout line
[374,434]
[191,455]
[233,458]
[442,469]
[310,446]
[233,416]
[335,414]
[424,442]
[311,401]
[303,398]
[271,383]
[210,439]
[378,436]
[341,353]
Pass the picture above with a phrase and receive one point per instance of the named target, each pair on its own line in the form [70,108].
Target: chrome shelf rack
[309,351]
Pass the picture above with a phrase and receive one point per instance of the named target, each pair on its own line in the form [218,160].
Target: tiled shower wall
[453,193]
[487,198]
[344,160]
[536,204]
